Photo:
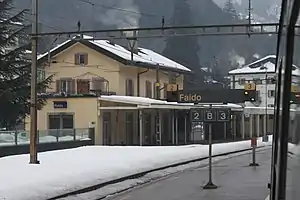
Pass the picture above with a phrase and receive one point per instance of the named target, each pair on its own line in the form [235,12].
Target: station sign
[223,115]
[197,115]
[294,88]
[172,87]
[212,96]
[250,86]
[191,97]
[60,104]
[210,115]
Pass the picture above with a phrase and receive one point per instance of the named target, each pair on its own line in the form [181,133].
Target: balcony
[70,86]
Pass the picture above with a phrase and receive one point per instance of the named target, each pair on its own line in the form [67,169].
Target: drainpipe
[138,81]
[139,112]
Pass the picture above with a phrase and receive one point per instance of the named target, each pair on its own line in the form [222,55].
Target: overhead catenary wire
[120,9]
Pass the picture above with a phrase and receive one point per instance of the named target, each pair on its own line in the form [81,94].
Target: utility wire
[119,9]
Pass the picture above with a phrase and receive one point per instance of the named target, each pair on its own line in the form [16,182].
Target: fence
[17,142]
[8,138]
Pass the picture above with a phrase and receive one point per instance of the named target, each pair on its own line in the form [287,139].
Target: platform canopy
[148,103]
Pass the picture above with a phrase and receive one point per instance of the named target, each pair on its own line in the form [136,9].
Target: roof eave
[44,58]
[153,66]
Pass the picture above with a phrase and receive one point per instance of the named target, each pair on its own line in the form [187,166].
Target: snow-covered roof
[144,102]
[53,49]
[12,22]
[145,56]
[263,65]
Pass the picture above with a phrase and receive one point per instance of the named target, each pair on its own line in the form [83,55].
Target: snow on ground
[68,170]
[113,189]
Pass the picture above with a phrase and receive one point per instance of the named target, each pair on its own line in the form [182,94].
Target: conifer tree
[230,9]
[15,67]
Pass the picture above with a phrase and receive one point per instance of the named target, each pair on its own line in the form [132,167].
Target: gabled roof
[263,65]
[143,58]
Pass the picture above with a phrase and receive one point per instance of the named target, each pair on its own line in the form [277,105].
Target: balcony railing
[11,138]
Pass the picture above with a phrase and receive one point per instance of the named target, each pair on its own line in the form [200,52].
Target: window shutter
[72,88]
[69,86]
[85,58]
[154,90]
[83,86]
[148,89]
[165,90]
[57,87]
[78,83]
[129,87]
[76,59]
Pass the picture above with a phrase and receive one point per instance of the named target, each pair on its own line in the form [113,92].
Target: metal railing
[20,137]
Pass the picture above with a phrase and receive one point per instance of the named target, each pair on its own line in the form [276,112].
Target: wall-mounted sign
[60,104]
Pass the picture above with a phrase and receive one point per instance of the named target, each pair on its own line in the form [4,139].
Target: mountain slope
[228,51]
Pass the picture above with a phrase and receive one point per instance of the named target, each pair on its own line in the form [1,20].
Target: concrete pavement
[236,181]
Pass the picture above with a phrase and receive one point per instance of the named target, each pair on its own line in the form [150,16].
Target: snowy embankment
[69,170]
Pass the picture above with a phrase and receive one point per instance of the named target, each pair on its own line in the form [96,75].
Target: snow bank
[68,170]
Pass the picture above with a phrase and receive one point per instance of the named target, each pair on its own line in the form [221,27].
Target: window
[65,85]
[271,93]
[61,121]
[41,75]
[241,81]
[271,80]
[81,59]
[257,94]
[129,90]
[83,86]
[257,81]
[148,89]
[97,85]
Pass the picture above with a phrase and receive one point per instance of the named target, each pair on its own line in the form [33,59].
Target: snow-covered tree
[230,9]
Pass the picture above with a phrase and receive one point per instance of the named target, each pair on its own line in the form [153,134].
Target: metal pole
[254,164]
[249,13]
[210,184]
[173,128]
[266,109]
[176,127]
[141,127]
[185,131]
[33,99]
[157,84]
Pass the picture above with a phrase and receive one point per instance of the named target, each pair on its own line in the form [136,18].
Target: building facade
[262,73]
[83,70]
[259,114]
